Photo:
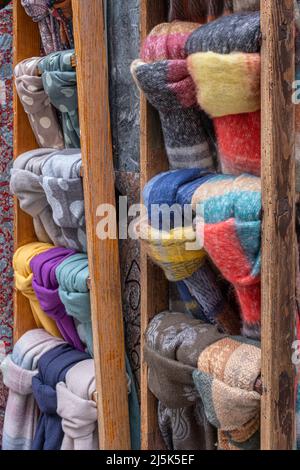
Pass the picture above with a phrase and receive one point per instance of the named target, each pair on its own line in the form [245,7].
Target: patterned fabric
[239,71]
[60,84]
[6,203]
[18,369]
[231,211]
[174,342]
[233,33]
[49,188]
[226,377]
[23,282]
[54,18]
[198,10]
[41,114]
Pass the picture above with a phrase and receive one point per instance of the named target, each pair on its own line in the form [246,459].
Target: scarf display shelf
[278,236]
[111,394]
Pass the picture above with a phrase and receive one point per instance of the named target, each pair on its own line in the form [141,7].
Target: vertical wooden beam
[26,44]
[97,158]
[154,294]
[278,237]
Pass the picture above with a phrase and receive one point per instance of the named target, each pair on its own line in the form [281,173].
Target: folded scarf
[225,379]
[230,208]
[226,83]
[23,283]
[41,114]
[45,286]
[72,276]
[60,84]
[167,41]
[170,89]
[167,193]
[173,344]
[50,25]
[198,10]
[49,188]
[234,33]
[53,367]
[77,409]
[18,369]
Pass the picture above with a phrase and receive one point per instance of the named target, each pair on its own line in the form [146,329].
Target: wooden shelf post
[278,237]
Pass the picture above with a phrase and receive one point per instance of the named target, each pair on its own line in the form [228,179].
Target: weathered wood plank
[278,238]
[24,140]
[154,296]
[107,320]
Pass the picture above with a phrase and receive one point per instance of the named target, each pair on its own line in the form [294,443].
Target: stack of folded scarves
[49,188]
[54,18]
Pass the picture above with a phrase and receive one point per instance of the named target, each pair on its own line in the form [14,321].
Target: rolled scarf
[72,276]
[236,112]
[234,33]
[52,369]
[173,343]
[49,188]
[41,114]
[227,373]
[55,22]
[77,409]
[167,193]
[60,84]
[45,286]
[18,369]
[23,283]
[230,209]
[198,10]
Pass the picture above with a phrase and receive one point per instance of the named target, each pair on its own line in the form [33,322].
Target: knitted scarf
[23,282]
[234,33]
[226,377]
[60,84]
[6,203]
[18,369]
[53,367]
[230,208]
[72,276]
[49,188]
[174,342]
[77,409]
[198,10]
[45,286]
[42,116]
[54,18]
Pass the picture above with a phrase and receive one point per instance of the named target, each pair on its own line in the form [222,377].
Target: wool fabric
[234,33]
[77,409]
[225,379]
[60,84]
[169,87]
[172,190]
[18,369]
[54,18]
[226,83]
[41,114]
[45,286]
[49,188]
[198,10]
[23,283]
[52,369]
[173,343]
[230,208]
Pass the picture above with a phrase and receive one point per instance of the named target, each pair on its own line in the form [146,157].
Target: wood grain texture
[154,287]
[107,319]
[26,43]
[278,238]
